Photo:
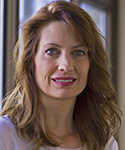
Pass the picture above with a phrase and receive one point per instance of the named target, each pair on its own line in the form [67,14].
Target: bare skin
[61,71]
[60,123]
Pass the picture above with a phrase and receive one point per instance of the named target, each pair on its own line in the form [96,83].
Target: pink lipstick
[64,81]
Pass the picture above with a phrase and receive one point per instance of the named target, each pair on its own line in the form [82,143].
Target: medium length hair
[95,115]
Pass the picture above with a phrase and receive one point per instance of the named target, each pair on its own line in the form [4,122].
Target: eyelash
[48,51]
[53,51]
[81,52]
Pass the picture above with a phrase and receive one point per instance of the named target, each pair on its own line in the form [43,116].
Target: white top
[9,140]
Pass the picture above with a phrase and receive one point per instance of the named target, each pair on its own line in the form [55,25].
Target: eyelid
[78,50]
[52,49]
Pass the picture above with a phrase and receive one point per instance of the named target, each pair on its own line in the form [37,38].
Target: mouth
[64,81]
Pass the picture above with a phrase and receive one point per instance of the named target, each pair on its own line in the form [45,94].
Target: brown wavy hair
[96,116]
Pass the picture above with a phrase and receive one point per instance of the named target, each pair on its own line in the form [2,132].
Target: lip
[62,81]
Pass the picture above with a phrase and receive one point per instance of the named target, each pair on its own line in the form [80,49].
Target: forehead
[58,31]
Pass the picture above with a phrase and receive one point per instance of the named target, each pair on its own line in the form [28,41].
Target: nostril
[65,68]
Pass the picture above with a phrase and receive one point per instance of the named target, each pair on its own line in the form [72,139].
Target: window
[98,15]
[1,46]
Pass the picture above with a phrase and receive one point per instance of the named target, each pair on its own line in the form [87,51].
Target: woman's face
[61,62]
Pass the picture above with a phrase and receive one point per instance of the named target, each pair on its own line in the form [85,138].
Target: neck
[59,115]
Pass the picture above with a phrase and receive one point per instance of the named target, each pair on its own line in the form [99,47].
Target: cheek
[84,68]
[38,69]
[87,68]
[43,71]
[40,65]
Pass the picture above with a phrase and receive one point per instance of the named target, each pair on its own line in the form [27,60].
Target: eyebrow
[78,46]
[53,44]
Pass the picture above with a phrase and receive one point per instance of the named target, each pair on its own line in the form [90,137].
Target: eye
[52,51]
[78,52]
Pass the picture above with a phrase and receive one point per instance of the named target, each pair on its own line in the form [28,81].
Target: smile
[64,81]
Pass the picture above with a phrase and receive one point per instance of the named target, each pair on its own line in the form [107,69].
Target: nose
[65,64]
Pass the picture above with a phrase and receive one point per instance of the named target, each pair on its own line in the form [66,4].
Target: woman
[63,98]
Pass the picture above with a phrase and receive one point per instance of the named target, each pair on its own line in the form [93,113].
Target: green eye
[51,52]
[78,53]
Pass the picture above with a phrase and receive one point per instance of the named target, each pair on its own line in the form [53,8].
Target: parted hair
[95,115]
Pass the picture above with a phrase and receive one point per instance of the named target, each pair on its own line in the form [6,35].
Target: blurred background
[109,15]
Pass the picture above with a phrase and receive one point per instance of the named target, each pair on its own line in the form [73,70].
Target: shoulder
[6,125]
[9,138]
[112,144]
[7,131]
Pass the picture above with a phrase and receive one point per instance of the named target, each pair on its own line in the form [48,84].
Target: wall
[1,46]
[10,36]
[121,68]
